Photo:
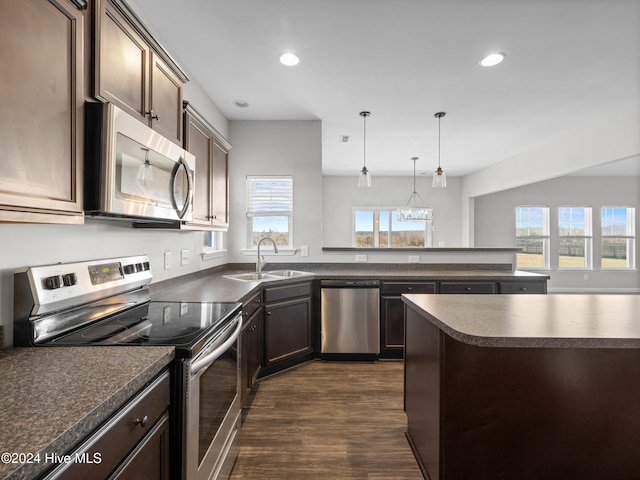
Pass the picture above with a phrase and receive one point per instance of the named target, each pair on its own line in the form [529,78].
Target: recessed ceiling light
[289,59]
[492,59]
[241,103]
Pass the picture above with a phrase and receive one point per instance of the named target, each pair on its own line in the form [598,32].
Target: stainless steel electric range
[107,302]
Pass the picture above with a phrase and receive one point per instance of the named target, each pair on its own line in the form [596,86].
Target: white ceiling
[569,63]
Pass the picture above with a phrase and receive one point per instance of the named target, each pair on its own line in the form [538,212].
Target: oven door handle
[208,358]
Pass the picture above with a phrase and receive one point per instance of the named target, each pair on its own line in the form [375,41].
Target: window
[574,229]
[381,228]
[532,236]
[617,242]
[269,209]
[213,244]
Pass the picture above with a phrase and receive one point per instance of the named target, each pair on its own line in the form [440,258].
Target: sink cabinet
[392,314]
[133,444]
[42,122]
[251,344]
[211,192]
[287,326]
[134,72]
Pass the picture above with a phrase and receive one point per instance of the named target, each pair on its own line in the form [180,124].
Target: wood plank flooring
[328,420]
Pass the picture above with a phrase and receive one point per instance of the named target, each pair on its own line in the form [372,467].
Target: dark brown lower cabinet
[392,314]
[133,444]
[251,347]
[287,326]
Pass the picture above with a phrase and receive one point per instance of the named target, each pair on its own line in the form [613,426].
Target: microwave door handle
[187,202]
[211,357]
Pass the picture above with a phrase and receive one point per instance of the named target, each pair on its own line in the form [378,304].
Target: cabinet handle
[153,115]
[468,289]
[268,313]
[143,422]
[524,289]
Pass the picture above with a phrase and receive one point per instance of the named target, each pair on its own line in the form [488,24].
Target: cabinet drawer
[250,305]
[523,287]
[398,288]
[467,287]
[274,294]
[119,435]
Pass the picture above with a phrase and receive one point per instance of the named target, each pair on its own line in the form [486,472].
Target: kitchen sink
[272,275]
[288,273]
[252,276]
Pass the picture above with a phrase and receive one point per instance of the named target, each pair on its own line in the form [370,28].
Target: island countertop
[550,321]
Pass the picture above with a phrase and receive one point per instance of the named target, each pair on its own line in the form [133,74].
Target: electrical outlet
[586,276]
[184,308]
[414,258]
[361,258]
[304,250]
[184,257]
[167,260]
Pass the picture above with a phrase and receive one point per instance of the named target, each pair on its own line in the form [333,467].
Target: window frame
[587,237]
[391,211]
[630,237]
[545,237]
[275,209]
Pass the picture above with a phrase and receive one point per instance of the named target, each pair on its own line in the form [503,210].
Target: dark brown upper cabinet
[211,191]
[131,70]
[42,97]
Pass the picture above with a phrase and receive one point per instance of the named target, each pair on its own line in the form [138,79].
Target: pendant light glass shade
[439,177]
[415,210]
[364,180]
[145,171]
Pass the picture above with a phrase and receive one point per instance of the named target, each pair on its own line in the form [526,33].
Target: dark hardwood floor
[328,420]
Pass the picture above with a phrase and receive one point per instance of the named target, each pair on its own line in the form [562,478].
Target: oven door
[213,407]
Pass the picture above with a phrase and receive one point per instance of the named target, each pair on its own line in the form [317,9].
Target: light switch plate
[414,258]
[361,258]
[184,257]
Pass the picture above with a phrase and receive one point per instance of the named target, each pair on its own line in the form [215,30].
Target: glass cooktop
[181,324]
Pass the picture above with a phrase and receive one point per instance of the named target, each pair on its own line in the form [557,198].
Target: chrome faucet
[260,263]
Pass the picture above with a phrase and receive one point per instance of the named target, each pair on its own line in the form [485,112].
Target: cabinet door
[165,100]
[251,354]
[150,460]
[287,330]
[392,327]
[41,97]
[198,141]
[121,62]
[220,180]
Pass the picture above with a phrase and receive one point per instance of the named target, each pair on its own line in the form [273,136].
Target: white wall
[613,138]
[277,148]
[340,194]
[495,223]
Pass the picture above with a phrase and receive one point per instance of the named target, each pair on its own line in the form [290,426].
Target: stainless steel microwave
[133,172]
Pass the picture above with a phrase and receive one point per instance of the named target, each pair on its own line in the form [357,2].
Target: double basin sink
[270,275]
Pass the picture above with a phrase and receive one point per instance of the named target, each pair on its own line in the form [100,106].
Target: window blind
[269,196]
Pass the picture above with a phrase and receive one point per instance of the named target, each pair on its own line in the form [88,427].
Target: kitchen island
[523,386]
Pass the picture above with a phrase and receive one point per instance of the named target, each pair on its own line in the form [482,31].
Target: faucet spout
[260,263]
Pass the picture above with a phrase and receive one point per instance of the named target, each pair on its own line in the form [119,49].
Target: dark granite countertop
[535,321]
[214,286]
[52,398]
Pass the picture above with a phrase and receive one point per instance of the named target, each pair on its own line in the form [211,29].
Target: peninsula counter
[523,386]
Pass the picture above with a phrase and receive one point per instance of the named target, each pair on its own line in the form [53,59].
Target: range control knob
[53,282]
[129,269]
[70,279]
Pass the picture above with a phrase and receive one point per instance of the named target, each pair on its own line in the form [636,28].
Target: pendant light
[364,180]
[145,172]
[415,209]
[439,178]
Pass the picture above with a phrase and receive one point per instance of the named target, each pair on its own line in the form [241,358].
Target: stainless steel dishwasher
[350,319]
